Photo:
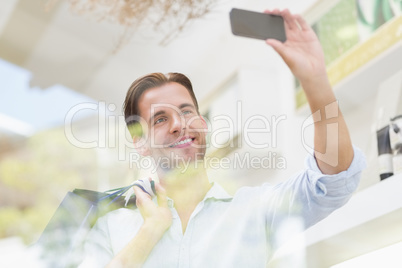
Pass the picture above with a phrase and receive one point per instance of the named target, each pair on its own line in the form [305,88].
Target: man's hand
[157,219]
[159,216]
[302,50]
[304,56]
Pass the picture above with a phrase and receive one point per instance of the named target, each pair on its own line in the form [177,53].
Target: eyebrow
[181,106]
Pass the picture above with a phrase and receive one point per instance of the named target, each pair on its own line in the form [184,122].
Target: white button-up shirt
[230,231]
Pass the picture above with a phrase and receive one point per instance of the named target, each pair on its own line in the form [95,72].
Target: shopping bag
[61,243]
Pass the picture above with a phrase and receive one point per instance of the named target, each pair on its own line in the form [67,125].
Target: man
[196,223]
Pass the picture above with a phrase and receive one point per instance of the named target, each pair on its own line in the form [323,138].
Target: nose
[177,123]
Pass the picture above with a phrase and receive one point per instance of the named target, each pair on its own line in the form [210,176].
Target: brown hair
[139,86]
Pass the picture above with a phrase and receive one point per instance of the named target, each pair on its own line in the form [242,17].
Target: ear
[204,122]
[141,146]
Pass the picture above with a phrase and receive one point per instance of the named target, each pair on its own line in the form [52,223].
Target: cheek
[197,124]
[160,135]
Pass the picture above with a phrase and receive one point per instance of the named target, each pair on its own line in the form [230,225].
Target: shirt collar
[217,192]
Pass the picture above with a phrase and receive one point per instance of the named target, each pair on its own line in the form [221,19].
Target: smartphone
[257,25]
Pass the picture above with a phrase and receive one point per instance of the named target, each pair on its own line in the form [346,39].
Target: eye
[160,120]
[185,112]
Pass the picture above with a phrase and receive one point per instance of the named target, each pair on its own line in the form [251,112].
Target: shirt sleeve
[325,193]
[310,195]
[97,248]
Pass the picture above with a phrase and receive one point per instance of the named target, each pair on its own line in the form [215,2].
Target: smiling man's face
[175,129]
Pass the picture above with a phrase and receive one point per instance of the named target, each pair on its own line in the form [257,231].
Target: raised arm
[157,219]
[303,53]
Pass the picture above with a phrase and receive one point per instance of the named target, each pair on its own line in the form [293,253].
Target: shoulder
[250,193]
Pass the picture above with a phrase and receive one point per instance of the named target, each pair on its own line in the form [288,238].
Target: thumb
[278,46]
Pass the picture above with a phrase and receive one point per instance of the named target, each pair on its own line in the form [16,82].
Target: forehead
[171,94]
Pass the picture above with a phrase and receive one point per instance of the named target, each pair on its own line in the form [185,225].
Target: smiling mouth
[182,142]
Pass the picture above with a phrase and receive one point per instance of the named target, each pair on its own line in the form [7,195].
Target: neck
[187,187]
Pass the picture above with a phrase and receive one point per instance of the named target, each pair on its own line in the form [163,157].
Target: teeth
[181,142]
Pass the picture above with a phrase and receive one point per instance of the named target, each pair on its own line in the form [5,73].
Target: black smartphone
[257,25]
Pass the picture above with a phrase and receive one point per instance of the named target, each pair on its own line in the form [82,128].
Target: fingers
[143,200]
[273,11]
[290,20]
[277,46]
[302,22]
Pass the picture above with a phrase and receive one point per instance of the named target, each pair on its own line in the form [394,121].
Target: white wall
[267,88]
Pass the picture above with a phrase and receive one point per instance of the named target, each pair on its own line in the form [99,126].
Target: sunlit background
[63,78]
